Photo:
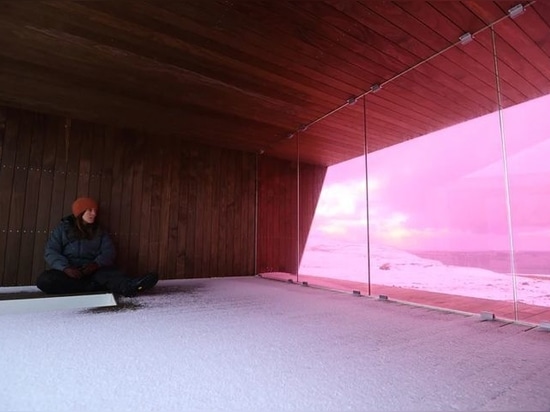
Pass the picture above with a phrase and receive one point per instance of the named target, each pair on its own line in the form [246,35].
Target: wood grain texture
[181,209]
[244,75]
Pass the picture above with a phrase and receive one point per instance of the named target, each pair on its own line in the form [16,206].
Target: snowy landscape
[393,267]
[435,196]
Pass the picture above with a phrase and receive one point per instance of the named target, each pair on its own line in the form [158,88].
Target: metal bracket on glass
[487,316]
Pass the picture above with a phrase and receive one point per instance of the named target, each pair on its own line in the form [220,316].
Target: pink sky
[446,190]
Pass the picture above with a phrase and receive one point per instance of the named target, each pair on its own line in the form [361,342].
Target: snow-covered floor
[252,344]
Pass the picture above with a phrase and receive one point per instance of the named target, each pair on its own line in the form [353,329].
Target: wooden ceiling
[248,75]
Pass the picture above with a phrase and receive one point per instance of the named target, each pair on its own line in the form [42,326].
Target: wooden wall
[182,209]
[288,196]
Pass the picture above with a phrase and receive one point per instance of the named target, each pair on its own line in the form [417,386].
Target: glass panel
[526,103]
[335,254]
[438,228]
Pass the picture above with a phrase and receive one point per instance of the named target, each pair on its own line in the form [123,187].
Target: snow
[251,344]
[348,261]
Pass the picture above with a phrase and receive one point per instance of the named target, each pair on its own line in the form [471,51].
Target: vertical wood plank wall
[182,209]
[279,205]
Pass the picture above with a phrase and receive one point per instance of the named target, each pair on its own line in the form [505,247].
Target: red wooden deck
[503,310]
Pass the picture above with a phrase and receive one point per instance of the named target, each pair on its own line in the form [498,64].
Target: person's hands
[89,268]
[72,272]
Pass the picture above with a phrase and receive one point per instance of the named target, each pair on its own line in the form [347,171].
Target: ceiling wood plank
[245,75]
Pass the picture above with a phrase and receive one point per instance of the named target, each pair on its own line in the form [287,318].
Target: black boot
[133,286]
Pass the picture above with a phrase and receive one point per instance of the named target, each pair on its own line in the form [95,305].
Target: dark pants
[106,279]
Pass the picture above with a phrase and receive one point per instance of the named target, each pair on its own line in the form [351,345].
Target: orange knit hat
[81,204]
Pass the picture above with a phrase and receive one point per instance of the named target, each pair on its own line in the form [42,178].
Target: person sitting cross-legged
[81,257]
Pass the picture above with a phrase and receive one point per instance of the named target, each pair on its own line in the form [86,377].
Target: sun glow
[393,228]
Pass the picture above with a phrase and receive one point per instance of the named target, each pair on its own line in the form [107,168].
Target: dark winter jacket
[66,248]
